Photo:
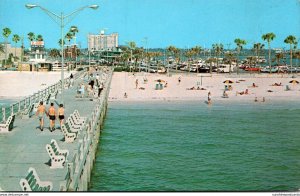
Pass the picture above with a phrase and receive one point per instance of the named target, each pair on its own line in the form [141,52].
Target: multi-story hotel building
[103,42]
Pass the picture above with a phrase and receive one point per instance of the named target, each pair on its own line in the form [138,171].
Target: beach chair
[8,125]
[77,121]
[69,136]
[57,156]
[77,115]
[32,182]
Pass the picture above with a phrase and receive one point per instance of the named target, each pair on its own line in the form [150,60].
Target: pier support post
[12,109]
[3,114]
[19,106]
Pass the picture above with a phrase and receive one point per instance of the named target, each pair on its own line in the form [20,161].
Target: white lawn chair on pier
[57,156]
[69,136]
[76,113]
[32,182]
[8,125]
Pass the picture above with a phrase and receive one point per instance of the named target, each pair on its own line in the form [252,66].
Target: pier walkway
[25,145]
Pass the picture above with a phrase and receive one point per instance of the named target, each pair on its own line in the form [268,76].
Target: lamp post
[61,20]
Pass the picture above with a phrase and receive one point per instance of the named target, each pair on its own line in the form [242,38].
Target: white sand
[125,82]
[20,84]
[15,84]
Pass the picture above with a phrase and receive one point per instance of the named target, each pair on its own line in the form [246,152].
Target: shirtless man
[41,111]
[52,114]
[61,114]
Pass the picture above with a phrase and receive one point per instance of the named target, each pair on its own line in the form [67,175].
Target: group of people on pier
[51,113]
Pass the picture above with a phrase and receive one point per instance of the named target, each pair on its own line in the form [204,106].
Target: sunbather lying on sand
[242,93]
[193,88]
[198,88]
[277,84]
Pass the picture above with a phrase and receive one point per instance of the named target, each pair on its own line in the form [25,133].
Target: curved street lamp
[61,20]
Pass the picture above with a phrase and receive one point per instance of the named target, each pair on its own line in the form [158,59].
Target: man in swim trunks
[52,117]
[41,111]
[61,114]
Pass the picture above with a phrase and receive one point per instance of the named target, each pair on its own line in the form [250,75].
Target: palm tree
[132,46]
[230,57]
[1,49]
[31,36]
[137,54]
[6,32]
[175,52]
[69,36]
[39,38]
[189,54]
[54,53]
[291,40]
[239,45]
[269,37]
[61,42]
[218,48]
[171,51]
[16,39]
[74,31]
[257,47]
[196,50]
[125,55]
[279,56]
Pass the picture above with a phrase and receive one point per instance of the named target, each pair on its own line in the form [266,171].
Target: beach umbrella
[159,80]
[228,82]
[294,82]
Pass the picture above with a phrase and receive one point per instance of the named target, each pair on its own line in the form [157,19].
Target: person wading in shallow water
[52,117]
[41,111]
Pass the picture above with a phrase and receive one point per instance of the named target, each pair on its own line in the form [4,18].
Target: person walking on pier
[52,117]
[100,89]
[41,111]
[71,80]
[61,114]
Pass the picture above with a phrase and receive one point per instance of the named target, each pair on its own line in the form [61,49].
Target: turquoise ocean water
[178,146]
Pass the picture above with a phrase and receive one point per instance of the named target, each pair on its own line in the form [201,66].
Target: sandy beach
[20,84]
[265,87]
[15,84]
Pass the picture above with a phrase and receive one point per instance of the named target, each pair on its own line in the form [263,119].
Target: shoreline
[202,101]
[124,82]
[15,86]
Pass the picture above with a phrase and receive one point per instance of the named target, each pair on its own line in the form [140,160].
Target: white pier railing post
[12,109]
[3,114]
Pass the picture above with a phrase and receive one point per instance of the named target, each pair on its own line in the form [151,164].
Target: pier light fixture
[29,6]
[94,6]
[62,20]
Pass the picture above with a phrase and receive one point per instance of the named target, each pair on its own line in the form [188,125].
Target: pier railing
[23,104]
[81,164]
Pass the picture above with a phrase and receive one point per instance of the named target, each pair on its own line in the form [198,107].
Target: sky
[159,23]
